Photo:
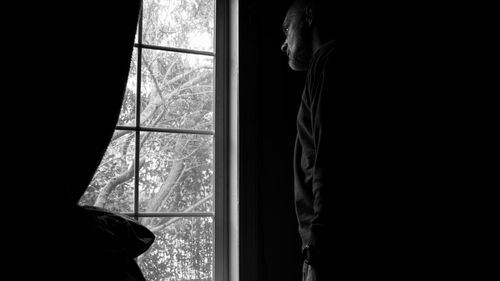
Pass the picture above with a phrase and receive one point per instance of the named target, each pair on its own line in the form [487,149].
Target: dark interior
[269,96]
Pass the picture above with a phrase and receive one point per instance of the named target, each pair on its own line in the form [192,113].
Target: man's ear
[309,15]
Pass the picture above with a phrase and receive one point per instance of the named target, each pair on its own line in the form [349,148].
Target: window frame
[221,137]
[225,261]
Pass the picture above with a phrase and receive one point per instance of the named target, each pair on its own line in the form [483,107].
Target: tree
[175,170]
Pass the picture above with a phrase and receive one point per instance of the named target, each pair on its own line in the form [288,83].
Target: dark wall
[269,96]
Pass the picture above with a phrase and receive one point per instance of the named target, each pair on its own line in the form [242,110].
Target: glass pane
[127,113]
[176,90]
[183,249]
[176,173]
[136,38]
[187,24]
[112,187]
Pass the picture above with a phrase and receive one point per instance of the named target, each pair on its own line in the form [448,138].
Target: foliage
[175,170]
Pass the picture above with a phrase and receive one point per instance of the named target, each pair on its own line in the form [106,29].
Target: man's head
[311,23]
[298,41]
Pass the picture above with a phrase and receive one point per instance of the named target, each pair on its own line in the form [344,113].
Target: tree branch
[156,202]
[125,176]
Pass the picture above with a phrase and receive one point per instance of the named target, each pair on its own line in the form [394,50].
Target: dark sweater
[376,168]
[313,151]
[339,155]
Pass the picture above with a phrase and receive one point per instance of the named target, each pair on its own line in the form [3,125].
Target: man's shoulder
[326,50]
[327,58]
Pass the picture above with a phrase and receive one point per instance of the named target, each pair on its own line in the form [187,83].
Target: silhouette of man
[313,44]
[374,156]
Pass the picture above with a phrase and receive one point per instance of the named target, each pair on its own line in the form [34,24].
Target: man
[310,48]
[317,42]
[374,166]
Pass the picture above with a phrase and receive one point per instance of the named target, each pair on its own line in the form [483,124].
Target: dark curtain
[71,67]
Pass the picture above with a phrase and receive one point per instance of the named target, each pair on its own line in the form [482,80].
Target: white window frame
[226,148]
[225,131]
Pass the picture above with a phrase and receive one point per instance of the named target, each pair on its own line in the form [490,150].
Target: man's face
[298,43]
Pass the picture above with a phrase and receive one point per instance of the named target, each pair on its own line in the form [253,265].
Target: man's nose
[284,46]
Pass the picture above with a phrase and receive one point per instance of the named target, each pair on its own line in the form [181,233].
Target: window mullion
[138,118]
[175,50]
[171,215]
[166,130]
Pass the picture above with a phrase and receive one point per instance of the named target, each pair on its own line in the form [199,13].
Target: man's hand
[309,273]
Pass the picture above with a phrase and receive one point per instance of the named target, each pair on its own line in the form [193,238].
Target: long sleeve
[327,184]
[318,184]
[323,175]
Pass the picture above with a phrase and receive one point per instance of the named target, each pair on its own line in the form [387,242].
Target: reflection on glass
[187,24]
[183,249]
[176,173]
[112,187]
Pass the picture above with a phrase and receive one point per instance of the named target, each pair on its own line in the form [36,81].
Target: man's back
[374,162]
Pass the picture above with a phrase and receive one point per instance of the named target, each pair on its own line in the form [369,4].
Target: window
[166,164]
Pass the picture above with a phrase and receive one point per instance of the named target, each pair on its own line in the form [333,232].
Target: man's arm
[327,120]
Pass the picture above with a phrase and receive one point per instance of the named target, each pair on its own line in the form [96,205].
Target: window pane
[183,249]
[136,38]
[176,173]
[127,113]
[187,24]
[176,90]
[112,187]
